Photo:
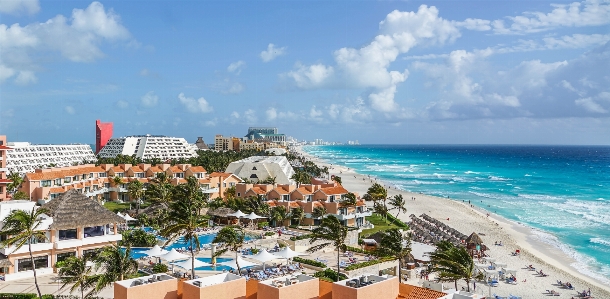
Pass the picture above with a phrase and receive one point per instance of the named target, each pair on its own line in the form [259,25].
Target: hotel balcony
[364,214]
[70,243]
[211,190]
[24,249]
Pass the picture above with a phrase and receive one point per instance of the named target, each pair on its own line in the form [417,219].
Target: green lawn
[380,225]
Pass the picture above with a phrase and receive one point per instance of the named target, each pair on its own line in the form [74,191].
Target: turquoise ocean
[561,191]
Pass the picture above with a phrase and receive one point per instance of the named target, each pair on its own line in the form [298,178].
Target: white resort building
[149,147]
[23,157]
[259,168]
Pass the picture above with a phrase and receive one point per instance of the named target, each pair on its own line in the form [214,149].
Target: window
[94,231]
[92,252]
[84,177]
[308,197]
[67,234]
[67,180]
[91,175]
[331,198]
[139,174]
[57,182]
[238,194]
[224,184]
[106,185]
[54,195]
[26,264]
[120,174]
[46,183]
[75,178]
[285,197]
[179,175]
[232,184]
[101,174]
[64,255]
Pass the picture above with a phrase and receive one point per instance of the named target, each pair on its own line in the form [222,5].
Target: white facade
[24,157]
[259,168]
[149,147]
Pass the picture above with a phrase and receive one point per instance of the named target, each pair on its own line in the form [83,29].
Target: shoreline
[469,219]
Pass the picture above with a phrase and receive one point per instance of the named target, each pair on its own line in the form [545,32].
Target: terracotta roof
[220,174]
[175,169]
[155,169]
[415,292]
[294,204]
[197,169]
[271,203]
[59,173]
[317,204]
[334,190]
[117,169]
[180,181]
[5,181]
[204,181]
[4,147]
[258,190]
[136,169]
[56,190]
[303,191]
[360,203]
[281,190]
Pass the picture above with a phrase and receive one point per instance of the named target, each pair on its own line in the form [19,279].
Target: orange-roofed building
[4,181]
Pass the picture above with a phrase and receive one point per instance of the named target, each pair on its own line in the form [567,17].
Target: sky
[381,72]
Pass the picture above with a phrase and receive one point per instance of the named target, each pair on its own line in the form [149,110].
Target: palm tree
[392,245]
[115,263]
[377,192]
[135,189]
[319,212]
[398,203]
[184,218]
[279,214]
[297,214]
[332,230]
[16,180]
[337,179]
[230,238]
[453,263]
[20,229]
[75,271]
[301,177]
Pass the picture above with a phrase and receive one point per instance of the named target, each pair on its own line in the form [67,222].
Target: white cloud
[211,122]
[576,41]
[77,39]
[312,76]
[234,88]
[236,67]
[272,52]
[195,105]
[17,7]
[70,110]
[235,114]
[271,114]
[315,113]
[475,24]
[567,85]
[150,99]
[122,104]
[25,78]
[250,116]
[590,105]
[575,14]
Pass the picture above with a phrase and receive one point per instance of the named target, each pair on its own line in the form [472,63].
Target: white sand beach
[513,236]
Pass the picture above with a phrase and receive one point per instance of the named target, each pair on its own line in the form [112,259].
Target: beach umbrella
[474,239]
[287,253]
[253,216]
[129,218]
[174,255]
[120,215]
[242,263]
[156,251]
[264,256]
[238,214]
[187,264]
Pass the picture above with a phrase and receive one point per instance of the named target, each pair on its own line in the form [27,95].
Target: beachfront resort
[289,228]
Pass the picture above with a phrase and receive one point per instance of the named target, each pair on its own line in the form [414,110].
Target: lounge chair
[511,296]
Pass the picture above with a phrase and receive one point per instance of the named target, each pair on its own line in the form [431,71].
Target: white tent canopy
[287,253]
[242,263]
[120,215]
[186,265]
[264,256]
[238,214]
[253,216]
[129,218]
[420,251]
[174,255]
[156,251]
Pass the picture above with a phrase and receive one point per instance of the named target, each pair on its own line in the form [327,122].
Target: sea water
[561,191]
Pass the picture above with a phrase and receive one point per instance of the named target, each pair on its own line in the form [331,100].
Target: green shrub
[368,263]
[255,250]
[159,268]
[138,238]
[262,224]
[355,249]
[329,275]
[309,262]
[301,237]
[270,234]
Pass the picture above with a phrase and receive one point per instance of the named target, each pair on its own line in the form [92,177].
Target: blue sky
[532,72]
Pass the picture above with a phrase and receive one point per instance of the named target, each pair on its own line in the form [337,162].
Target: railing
[24,249]
[102,239]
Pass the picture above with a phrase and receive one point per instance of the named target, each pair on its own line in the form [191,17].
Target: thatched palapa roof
[4,262]
[220,212]
[73,209]
[474,239]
